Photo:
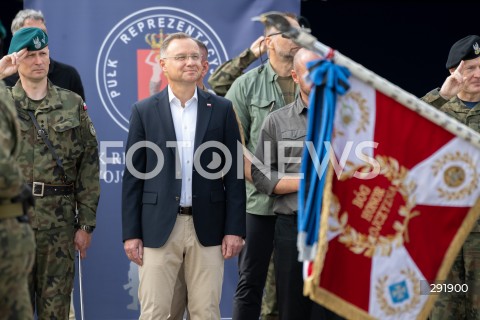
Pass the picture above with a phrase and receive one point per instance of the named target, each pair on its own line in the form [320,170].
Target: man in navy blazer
[183,197]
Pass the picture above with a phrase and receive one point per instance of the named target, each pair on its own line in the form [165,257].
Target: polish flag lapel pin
[209,105]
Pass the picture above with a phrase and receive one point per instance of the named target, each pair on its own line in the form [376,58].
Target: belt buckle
[35,184]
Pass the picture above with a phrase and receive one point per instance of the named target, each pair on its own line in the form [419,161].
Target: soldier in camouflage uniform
[60,161]
[223,77]
[17,245]
[459,97]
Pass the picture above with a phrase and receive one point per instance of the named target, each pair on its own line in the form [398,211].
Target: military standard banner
[399,200]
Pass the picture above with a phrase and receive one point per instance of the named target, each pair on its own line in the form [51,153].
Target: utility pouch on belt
[11,210]
[26,200]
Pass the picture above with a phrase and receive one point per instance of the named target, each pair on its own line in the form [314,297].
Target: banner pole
[410,101]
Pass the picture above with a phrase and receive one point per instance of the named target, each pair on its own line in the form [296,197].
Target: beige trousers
[203,271]
[178,310]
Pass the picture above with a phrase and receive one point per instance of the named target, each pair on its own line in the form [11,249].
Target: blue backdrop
[107,41]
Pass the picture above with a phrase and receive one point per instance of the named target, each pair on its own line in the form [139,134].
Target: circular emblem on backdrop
[128,69]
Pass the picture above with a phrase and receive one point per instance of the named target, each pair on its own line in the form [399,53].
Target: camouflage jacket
[63,115]
[223,77]
[455,108]
[11,178]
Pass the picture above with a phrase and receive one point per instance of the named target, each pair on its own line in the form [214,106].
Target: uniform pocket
[294,135]
[66,135]
[259,109]
[65,124]
[24,122]
[292,141]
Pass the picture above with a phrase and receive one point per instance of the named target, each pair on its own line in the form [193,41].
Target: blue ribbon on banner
[329,80]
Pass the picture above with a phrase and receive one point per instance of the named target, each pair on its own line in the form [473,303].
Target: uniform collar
[299,106]
[51,101]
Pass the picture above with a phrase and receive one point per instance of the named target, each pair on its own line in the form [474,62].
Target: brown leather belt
[185,211]
[40,189]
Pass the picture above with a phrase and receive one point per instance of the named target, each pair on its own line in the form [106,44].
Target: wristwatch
[87,229]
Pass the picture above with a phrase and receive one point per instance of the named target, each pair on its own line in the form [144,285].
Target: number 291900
[448,287]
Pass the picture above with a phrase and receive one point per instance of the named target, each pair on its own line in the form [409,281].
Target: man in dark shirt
[60,74]
[283,135]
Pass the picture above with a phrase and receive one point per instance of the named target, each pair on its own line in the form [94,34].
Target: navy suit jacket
[150,206]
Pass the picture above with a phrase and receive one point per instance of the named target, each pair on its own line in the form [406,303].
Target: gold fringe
[338,305]
[350,311]
[452,252]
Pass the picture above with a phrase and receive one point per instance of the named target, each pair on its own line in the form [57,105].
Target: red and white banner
[395,218]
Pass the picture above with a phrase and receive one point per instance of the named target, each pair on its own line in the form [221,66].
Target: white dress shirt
[185,123]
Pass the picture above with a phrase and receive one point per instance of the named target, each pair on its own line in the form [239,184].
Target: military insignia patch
[85,107]
[476,48]
[92,130]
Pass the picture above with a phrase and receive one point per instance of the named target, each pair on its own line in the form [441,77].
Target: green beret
[467,48]
[33,39]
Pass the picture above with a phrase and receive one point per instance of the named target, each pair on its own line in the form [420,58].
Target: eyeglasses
[184,57]
[277,33]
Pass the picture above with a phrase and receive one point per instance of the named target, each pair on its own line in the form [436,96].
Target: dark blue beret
[33,39]
[464,49]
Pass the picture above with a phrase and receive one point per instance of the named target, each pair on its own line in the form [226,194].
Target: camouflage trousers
[269,300]
[51,280]
[17,249]
[465,270]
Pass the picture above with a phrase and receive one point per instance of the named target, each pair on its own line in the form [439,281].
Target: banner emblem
[379,213]
[459,173]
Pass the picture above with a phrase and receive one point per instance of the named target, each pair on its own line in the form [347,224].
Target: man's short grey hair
[22,15]
[174,36]
[203,49]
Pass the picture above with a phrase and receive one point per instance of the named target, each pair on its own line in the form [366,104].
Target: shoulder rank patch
[92,130]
